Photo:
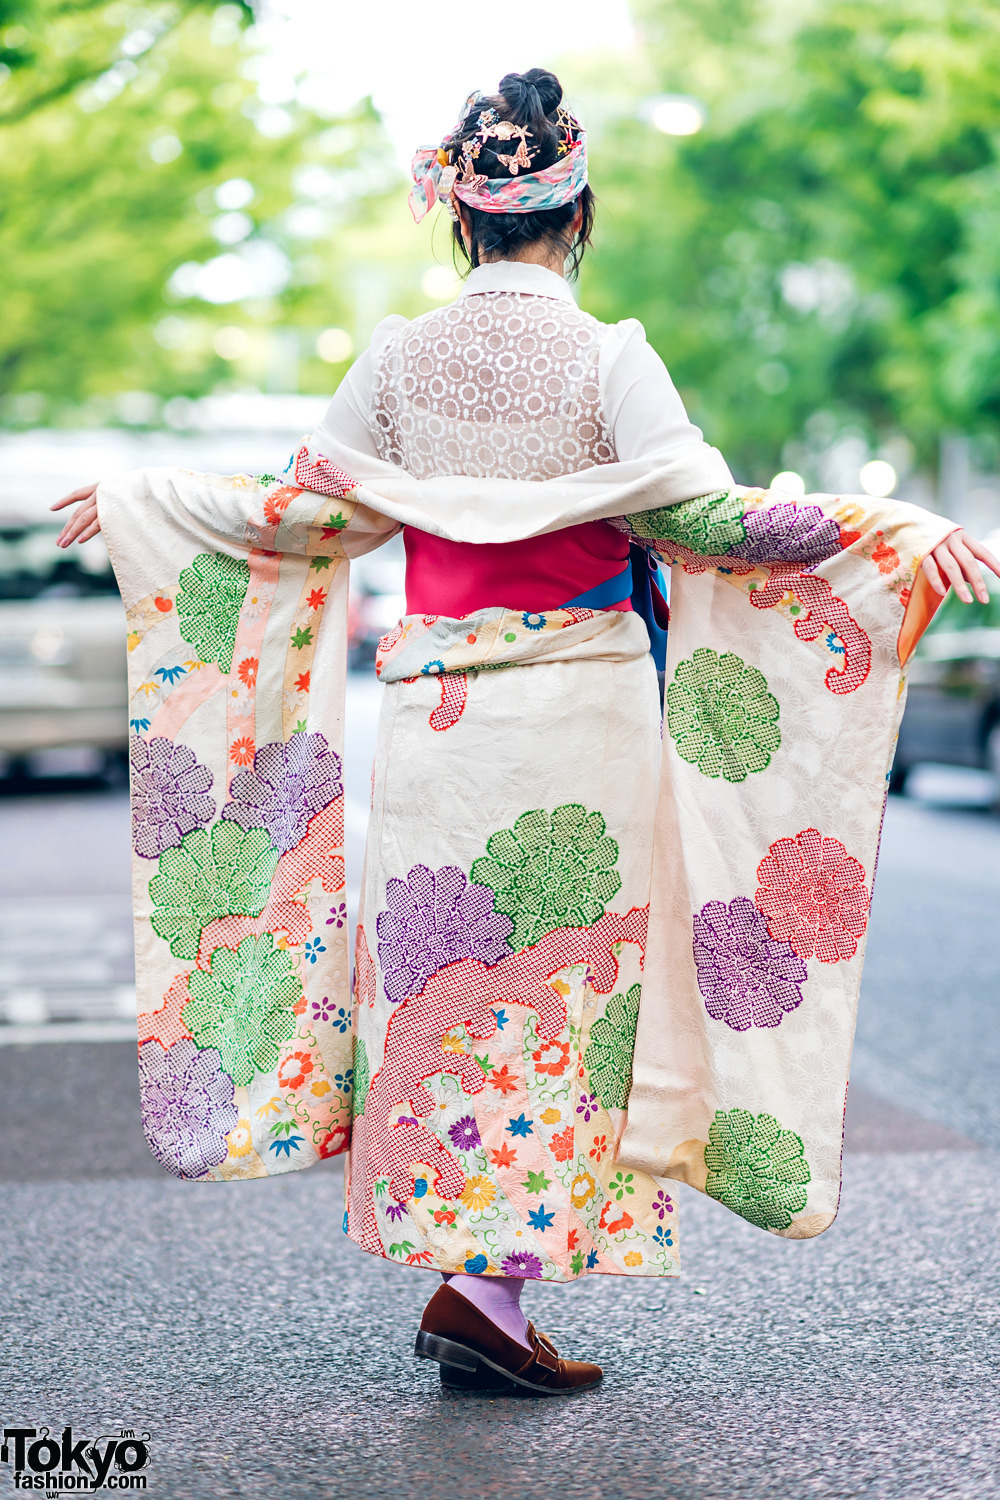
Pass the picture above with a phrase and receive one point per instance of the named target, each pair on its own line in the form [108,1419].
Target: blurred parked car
[63,680]
[953,707]
[63,690]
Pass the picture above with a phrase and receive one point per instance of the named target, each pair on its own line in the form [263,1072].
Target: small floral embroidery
[478,1193]
[464,1133]
[582,1189]
[621,1185]
[522,1264]
[600,1148]
[552,1058]
[314,947]
[587,1107]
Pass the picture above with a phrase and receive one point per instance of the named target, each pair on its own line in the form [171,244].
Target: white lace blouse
[512,380]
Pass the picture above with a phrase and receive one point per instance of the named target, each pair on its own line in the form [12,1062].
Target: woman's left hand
[84,523]
[957,558]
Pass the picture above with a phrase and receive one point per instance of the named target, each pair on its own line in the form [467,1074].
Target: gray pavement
[267,1356]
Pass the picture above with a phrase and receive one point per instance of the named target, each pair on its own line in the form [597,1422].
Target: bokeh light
[878,477]
[441,283]
[334,345]
[677,114]
[788,482]
[231,342]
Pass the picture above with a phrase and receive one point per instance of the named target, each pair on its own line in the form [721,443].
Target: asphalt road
[267,1356]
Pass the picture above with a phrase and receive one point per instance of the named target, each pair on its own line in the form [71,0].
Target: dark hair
[531,100]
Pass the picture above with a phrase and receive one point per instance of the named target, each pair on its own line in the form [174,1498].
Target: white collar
[517,276]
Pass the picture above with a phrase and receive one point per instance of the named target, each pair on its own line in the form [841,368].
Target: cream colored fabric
[784,688]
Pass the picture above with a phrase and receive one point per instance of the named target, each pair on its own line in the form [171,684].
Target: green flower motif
[362,1076]
[547,872]
[608,1058]
[756,1168]
[242,1004]
[721,716]
[209,601]
[711,525]
[620,1185]
[223,873]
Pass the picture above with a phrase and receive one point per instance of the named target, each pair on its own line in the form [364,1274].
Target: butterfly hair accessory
[523,192]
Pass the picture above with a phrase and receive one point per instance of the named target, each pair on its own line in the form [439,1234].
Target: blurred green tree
[827,243]
[161,230]
[49,47]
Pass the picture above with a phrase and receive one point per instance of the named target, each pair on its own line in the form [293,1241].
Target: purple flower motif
[748,978]
[395,1211]
[465,1133]
[188,1106]
[522,1263]
[787,533]
[408,1120]
[663,1204]
[323,1010]
[587,1106]
[286,787]
[432,920]
[169,794]
[338,916]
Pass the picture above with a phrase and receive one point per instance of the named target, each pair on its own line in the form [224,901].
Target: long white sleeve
[348,419]
[641,404]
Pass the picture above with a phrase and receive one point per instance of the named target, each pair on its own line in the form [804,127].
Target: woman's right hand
[84,523]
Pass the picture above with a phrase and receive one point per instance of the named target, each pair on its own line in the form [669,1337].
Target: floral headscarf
[440,171]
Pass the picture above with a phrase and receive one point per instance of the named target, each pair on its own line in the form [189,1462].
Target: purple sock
[497,1298]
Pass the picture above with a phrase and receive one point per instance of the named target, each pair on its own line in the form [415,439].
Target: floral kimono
[589,962]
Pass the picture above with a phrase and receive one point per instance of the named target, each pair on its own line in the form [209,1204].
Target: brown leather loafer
[459,1336]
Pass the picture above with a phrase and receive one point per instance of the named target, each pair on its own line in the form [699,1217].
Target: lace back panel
[498,385]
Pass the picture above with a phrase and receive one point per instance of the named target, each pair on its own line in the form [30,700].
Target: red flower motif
[247,670]
[572,1238]
[504,1081]
[302,682]
[562,1144]
[444,1216]
[316,598]
[599,1149]
[241,751]
[294,1070]
[557,1055]
[278,501]
[504,1157]
[885,558]
[814,896]
[624,1221]
[335,1141]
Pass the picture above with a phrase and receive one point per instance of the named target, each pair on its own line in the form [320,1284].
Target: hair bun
[531,97]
